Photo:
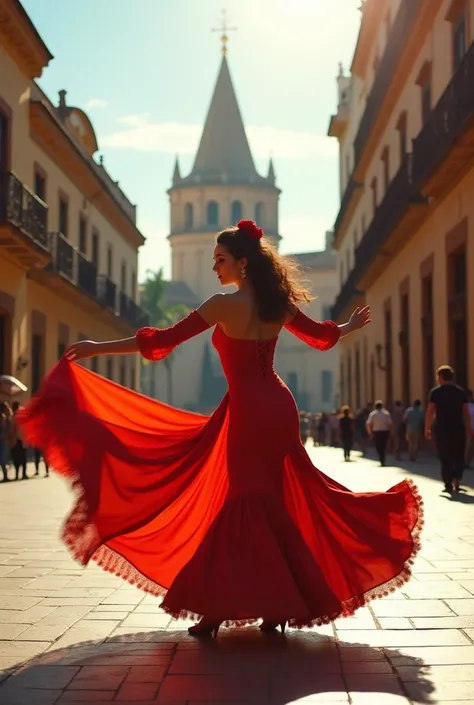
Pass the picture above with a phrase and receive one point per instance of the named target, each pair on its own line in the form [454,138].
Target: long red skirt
[155,506]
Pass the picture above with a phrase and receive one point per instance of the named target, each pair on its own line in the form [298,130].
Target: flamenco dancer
[226,515]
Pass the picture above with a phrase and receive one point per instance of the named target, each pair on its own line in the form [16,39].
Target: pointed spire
[271,172]
[176,172]
[224,154]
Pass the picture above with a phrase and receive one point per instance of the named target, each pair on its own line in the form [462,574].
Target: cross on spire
[224,29]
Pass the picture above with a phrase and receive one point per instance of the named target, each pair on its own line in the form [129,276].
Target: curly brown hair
[277,281]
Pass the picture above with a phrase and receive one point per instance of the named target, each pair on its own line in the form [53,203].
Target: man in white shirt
[379,425]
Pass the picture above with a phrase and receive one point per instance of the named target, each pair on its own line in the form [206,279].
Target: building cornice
[205,230]
[21,40]
[53,137]
[373,12]
[185,185]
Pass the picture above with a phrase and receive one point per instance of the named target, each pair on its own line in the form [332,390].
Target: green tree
[153,300]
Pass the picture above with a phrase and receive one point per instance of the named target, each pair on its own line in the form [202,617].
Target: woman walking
[225,514]
[346,431]
[5,430]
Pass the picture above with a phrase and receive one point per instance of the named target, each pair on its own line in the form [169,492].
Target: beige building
[223,187]
[405,229]
[68,236]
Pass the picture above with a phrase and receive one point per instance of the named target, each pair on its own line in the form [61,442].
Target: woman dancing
[225,514]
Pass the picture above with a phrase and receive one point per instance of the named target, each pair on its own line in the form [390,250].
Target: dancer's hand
[360,318]
[428,434]
[81,350]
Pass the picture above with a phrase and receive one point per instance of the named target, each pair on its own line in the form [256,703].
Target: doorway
[6,331]
[5,124]
[37,355]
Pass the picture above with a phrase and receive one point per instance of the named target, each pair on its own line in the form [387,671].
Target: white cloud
[171,138]
[96,103]
[137,121]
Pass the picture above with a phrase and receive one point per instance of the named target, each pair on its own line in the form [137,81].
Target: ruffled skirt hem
[75,529]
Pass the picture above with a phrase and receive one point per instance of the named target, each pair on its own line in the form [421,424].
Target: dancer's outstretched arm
[324,335]
[153,343]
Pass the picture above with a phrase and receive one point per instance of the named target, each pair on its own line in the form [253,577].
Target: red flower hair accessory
[250,228]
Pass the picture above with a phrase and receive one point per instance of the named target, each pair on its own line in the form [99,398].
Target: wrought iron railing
[449,118]
[131,312]
[63,253]
[397,200]
[86,275]
[107,292]
[24,210]
[351,188]
[391,210]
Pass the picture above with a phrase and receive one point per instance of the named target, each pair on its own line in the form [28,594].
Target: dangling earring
[243,272]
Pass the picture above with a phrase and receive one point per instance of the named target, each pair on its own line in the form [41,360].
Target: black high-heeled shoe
[205,629]
[271,626]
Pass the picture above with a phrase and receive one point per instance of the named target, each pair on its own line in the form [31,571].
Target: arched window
[213,213]
[260,214]
[188,216]
[236,212]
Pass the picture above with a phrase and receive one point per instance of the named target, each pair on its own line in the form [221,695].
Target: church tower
[223,187]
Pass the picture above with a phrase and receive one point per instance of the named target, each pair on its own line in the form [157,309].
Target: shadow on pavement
[425,466]
[241,665]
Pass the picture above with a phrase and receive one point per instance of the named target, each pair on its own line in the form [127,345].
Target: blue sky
[144,71]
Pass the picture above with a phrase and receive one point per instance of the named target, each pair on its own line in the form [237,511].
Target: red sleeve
[322,336]
[157,343]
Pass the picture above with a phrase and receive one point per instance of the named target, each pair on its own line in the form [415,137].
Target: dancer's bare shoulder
[237,316]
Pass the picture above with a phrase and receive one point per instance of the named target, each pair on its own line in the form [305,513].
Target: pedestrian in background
[360,430]
[17,447]
[470,442]
[346,431]
[379,426]
[5,430]
[449,421]
[398,429]
[414,423]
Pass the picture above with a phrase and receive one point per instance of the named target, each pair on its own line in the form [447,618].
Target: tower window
[213,213]
[109,261]
[63,215]
[236,212]
[260,214]
[188,216]
[82,234]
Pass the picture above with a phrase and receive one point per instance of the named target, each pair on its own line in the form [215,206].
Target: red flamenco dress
[225,514]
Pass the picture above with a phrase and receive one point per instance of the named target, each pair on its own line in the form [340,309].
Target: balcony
[396,219]
[347,202]
[131,312]
[388,68]
[444,149]
[86,275]
[107,292]
[63,254]
[69,273]
[23,223]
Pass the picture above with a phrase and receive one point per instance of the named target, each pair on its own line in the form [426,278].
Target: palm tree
[161,315]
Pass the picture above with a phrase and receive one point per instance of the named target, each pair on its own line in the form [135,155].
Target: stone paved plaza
[69,635]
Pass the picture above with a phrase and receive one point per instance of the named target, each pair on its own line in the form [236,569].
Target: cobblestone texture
[69,635]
